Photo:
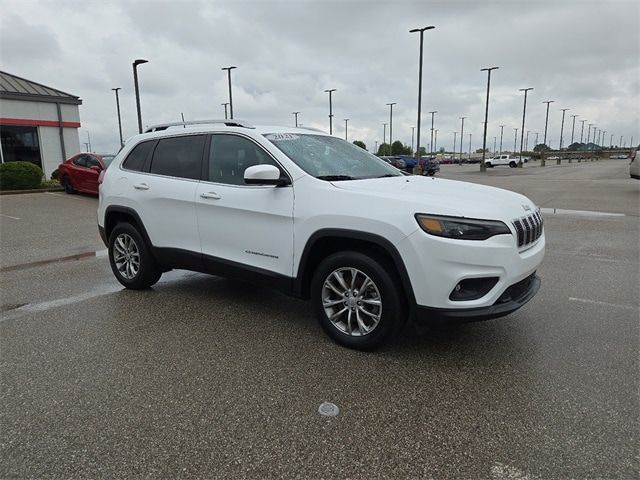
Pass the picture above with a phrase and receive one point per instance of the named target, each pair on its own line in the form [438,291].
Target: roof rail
[228,123]
[313,129]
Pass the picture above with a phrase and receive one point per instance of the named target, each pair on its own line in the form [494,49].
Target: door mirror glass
[264,175]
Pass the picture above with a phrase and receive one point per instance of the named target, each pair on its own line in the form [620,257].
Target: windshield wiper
[386,175]
[333,178]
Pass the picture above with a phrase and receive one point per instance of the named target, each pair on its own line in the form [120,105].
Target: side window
[80,160]
[179,157]
[231,155]
[93,162]
[136,158]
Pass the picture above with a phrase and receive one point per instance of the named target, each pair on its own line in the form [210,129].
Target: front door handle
[141,186]
[210,196]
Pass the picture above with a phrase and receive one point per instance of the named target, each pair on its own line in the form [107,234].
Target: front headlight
[461,228]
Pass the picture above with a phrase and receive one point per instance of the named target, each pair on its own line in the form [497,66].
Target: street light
[573,126]
[486,116]
[295,114]
[501,132]
[461,138]
[582,131]
[435,142]
[431,143]
[225,109]
[526,142]
[330,91]
[137,90]
[119,121]
[546,122]
[602,140]
[537,133]
[454,143]
[611,141]
[384,133]
[346,121]
[524,112]
[412,131]
[470,147]
[562,127]
[228,69]
[421,30]
[515,142]
[589,134]
[390,124]
[495,139]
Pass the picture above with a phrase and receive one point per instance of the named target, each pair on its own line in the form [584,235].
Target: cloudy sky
[584,55]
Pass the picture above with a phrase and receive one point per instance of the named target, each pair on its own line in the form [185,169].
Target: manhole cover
[328,409]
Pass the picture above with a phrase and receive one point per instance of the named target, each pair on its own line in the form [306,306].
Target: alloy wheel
[126,256]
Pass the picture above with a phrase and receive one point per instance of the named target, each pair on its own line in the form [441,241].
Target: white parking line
[59,302]
[606,304]
[9,216]
[579,213]
[61,195]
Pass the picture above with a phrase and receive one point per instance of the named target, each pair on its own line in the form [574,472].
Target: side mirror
[95,168]
[264,175]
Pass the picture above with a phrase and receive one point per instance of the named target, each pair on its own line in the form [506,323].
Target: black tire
[148,272]
[488,164]
[393,309]
[66,184]
[512,164]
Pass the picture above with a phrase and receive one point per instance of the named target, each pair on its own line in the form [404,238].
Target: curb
[37,190]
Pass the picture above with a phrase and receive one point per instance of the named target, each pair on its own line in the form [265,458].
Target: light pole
[330,91]
[486,116]
[524,112]
[470,146]
[562,127]
[589,134]
[573,126]
[225,110]
[295,114]
[582,131]
[611,141]
[137,90]
[435,142]
[119,121]
[461,138]
[515,142]
[228,69]
[495,139]
[421,30]
[384,134]
[526,142]
[620,144]
[454,143]
[346,121]
[88,141]
[431,143]
[501,132]
[546,122]
[390,125]
[536,140]
[412,131]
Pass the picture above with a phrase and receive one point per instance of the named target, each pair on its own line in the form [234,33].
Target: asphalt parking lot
[202,377]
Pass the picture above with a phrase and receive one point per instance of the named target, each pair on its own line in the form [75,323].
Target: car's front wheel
[66,184]
[488,164]
[358,300]
[130,258]
[513,164]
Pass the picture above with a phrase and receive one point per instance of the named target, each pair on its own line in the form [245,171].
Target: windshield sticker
[278,137]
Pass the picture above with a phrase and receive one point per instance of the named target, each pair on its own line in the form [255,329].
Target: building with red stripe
[38,124]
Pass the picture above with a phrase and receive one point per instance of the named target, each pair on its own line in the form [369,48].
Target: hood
[445,197]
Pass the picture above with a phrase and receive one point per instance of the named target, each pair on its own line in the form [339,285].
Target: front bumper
[511,300]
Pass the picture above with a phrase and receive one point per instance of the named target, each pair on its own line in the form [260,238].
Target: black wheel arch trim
[104,230]
[300,287]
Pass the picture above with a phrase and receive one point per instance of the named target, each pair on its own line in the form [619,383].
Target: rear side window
[179,157]
[137,156]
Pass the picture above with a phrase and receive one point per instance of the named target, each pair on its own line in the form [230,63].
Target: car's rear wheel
[67,185]
[488,164]
[130,258]
[513,164]
[357,300]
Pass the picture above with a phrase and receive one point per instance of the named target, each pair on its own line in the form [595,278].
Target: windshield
[331,158]
[107,159]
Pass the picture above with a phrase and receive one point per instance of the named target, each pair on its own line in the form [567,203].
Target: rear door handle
[210,196]
[141,186]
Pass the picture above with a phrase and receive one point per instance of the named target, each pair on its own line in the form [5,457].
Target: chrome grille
[528,228]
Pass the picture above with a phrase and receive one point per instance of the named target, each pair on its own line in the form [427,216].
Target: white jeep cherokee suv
[318,218]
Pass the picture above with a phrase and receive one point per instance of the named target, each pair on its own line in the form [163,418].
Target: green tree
[384,150]
[541,147]
[423,151]
[575,146]
[360,143]
[397,148]
[441,150]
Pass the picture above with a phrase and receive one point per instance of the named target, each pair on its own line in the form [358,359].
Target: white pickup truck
[503,160]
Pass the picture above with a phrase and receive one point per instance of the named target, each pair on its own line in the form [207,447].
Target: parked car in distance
[498,160]
[368,245]
[80,173]
[395,161]
[634,166]
[429,166]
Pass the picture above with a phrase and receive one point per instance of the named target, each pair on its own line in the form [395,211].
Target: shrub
[20,176]
[55,174]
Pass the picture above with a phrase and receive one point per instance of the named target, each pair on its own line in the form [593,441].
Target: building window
[20,144]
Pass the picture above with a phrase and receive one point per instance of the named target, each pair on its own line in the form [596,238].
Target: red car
[80,173]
